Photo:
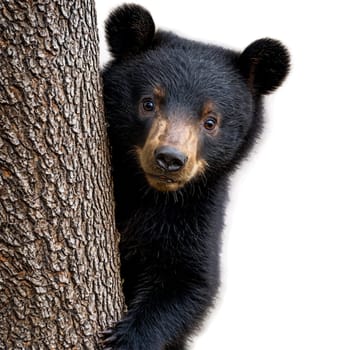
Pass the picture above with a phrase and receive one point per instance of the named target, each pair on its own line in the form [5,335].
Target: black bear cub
[181,115]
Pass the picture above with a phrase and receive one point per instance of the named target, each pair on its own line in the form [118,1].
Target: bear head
[182,110]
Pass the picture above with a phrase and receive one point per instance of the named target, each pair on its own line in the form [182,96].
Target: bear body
[181,115]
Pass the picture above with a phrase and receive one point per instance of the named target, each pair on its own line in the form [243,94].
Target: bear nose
[170,158]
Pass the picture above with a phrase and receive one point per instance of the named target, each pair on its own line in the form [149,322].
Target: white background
[286,255]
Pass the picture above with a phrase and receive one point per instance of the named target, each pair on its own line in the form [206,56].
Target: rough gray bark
[59,266]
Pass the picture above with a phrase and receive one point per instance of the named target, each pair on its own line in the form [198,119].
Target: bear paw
[122,337]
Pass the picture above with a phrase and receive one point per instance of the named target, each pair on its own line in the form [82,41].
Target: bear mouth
[161,178]
[163,183]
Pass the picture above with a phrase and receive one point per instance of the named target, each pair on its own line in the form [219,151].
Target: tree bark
[59,263]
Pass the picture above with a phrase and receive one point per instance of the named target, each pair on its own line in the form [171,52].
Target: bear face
[189,108]
[188,112]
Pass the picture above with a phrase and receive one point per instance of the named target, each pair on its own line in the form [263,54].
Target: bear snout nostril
[169,158]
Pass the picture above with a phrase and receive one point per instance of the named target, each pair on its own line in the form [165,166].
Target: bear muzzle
[169,158]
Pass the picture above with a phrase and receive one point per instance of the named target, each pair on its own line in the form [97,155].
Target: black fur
[265,64]
[129,30]
[170,241]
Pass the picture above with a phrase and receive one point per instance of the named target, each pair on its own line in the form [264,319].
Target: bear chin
[162,183]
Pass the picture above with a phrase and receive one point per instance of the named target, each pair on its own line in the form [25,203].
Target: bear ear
[129,30]
[265,64]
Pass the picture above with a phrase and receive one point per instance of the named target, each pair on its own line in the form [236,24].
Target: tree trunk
[59,264]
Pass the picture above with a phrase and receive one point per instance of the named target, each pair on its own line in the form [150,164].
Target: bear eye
[210,123]
[148,105]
